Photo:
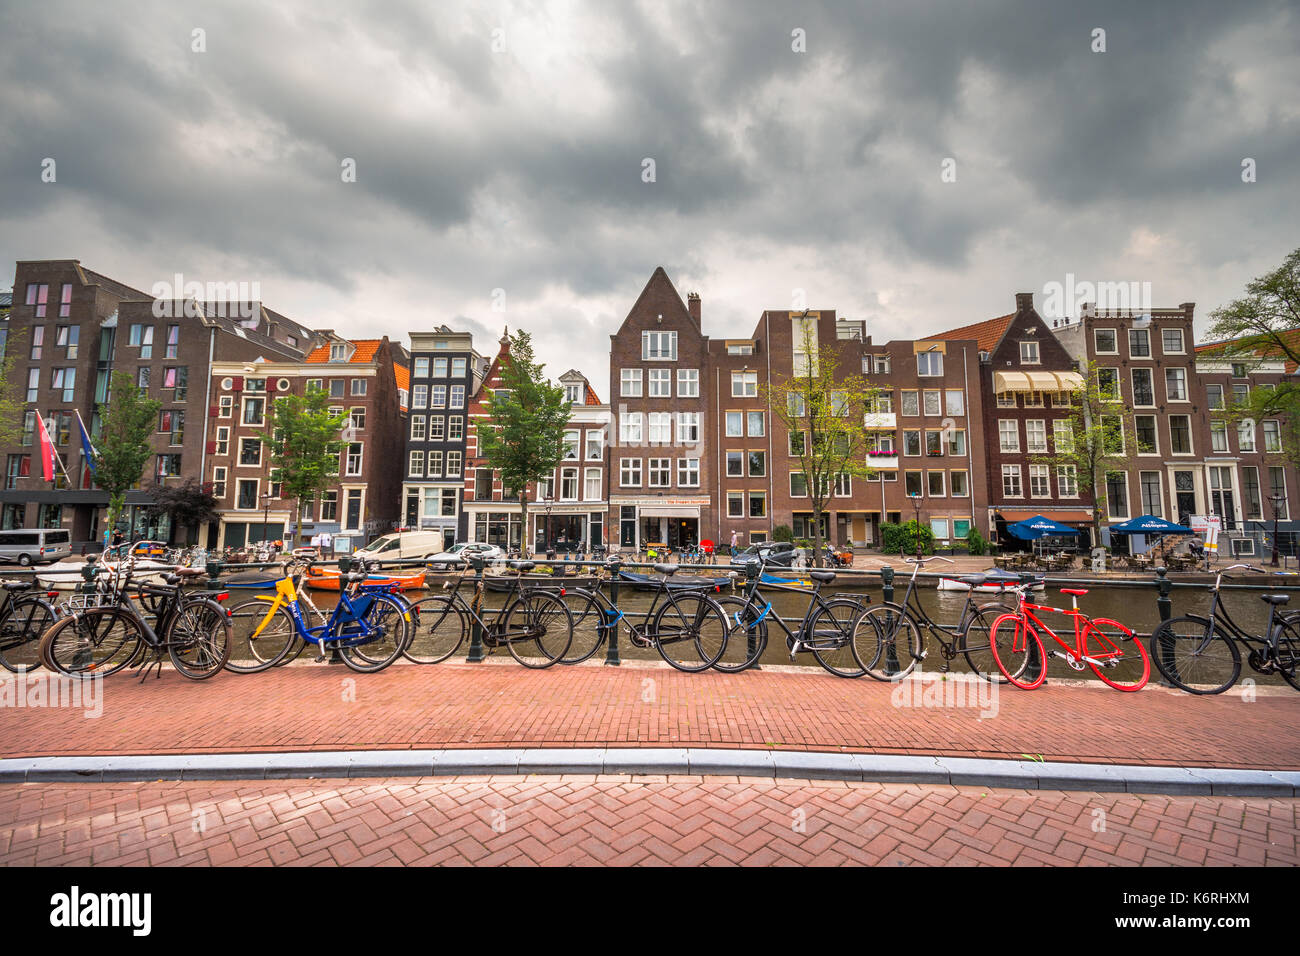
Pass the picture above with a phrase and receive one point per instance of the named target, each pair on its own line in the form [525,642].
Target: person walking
[735,540]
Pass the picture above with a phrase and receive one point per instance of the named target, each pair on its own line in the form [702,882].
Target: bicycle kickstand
[154,661]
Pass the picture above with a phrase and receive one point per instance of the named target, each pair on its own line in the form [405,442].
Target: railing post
[887,589]
[476,654]
[213,568]
[1167,664]
[611,639]
[752,571]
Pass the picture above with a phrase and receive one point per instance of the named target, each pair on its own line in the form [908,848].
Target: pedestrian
[735,540]
[117,537]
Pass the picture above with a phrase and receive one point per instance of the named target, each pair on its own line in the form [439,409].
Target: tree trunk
[817,534]
[523,526]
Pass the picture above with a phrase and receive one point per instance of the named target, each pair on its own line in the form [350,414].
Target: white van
[402,547]
[33,545]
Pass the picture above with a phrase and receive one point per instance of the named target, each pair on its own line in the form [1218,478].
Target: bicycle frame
[1025,609]
[1218,615]
[286,595]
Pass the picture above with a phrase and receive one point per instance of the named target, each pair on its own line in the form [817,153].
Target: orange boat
[325,579]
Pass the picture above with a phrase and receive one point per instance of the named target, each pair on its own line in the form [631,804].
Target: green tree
[187,504]
[523,439]
[824,412]
[304,442]
[1264,325]
[1094,446]
[122,448]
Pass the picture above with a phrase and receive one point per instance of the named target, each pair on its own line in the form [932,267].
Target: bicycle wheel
[832,635]
[437,630]
[690,631]
[261,635]
[387,622]
[975,643]
[537,629]
[886,643]
[1195,656]
[21,632]
[1123,661]
[94,643]
[590,625]
[198,639]
[1288,652]
[747,637]
[1018,651]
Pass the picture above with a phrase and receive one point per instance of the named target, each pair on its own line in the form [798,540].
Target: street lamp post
[547,526]
[1277,501]
[266,513]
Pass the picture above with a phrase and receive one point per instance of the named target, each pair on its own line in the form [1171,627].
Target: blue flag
[87,449]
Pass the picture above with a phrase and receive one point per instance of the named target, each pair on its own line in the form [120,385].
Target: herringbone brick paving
[651,821]
[499,704]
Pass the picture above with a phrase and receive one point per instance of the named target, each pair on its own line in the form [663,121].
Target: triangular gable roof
[658,283]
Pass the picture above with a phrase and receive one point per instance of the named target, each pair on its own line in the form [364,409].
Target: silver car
[459,554]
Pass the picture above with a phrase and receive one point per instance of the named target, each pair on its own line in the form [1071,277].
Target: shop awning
[1037,381]
[1010,516]
[670,511]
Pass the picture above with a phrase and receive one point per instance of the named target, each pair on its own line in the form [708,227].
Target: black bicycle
[104,631]
[825,630]
[895,644]
[533,624]
[25,614]
[1200,654]
[685,624]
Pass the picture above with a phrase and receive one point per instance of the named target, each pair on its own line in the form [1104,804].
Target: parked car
[780,554]
[402,546]
[458,555]
[32,545]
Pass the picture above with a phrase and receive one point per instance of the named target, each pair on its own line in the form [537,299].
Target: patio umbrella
[1149,524]
[1037,527]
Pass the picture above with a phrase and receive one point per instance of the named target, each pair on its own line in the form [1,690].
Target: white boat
[997,582]
[66,576]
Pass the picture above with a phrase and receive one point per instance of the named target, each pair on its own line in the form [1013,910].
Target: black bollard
[1165,608]
[891,649]
[611,640]
[476,653]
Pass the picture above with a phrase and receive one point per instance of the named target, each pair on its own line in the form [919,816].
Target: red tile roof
[986,334]
[364,352]
[592,397]
[403,376]
[1258,347]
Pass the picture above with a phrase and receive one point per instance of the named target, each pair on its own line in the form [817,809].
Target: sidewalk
[500,705]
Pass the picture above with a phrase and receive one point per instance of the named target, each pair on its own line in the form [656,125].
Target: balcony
[883,461]
[880,420]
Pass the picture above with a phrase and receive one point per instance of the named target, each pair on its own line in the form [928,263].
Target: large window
[688,472]
[1246,436]
[353,465]
[629,473]
[929,364]
[1139,343]
[659,346]
[591,484]
[660,472]
[1173,341]
[911,403]
[1104,341]
[1147,441]
[1277,492]
[661,383]
[688,383]
[1254,502]
[1029,353]
[1272,436]
[1176,384]
[661,428]
[630,383]
[1008,435]
[1067,481]
[954,402]
[1180,434]
[1011,481]
[959,485]
[1039,481]
[1214,396]
[1117,495]
[744,384]
[1151,497]
[1143,391]
[629,428]
[1036,436]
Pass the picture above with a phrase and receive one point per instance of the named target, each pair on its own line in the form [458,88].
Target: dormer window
[1029,353]
[573,394]
[339,352]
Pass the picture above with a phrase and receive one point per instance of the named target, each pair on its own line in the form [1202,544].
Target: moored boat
[651,582]
[995,581]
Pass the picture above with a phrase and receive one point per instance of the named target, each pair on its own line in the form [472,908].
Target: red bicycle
[1107,646]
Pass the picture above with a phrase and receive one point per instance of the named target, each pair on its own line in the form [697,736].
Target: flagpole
[54,455]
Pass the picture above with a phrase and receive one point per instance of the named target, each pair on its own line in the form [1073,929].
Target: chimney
[1024,301]
[693,305]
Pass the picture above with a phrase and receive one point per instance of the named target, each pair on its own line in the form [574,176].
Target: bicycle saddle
[974,580]
[822,576]
[354,577]
[1275,598]
[522,566]
[668,569]
[1077,591]
[171,580]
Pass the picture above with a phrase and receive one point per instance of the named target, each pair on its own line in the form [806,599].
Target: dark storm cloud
[521,169]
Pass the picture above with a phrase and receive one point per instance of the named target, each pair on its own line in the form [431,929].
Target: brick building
[659,378]
[72,328]
[445,373]
[1026,380]
[361,378]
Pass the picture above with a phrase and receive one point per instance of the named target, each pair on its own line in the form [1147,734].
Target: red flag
[47,451]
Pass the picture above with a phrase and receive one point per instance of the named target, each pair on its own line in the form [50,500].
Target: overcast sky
[502,146]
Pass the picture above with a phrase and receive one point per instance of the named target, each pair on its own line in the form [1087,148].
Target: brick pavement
[499,704]
[629,820]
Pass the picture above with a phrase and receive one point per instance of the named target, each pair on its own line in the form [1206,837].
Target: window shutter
[212,448]
[238,384]
[213,411]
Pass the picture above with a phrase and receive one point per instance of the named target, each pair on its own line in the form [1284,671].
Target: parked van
[33,545]
[402,547]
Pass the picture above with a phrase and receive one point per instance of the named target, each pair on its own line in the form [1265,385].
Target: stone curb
[694,761]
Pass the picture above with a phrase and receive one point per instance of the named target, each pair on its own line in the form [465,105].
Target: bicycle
[104,632]
[369,628]
[898,632]
[820,631]
[689,629]
[1016,645]
[533,624]
[1200,654]
[25,615]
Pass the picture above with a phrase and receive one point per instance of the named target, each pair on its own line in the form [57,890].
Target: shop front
[433,508]
[672,522]
[568,530]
